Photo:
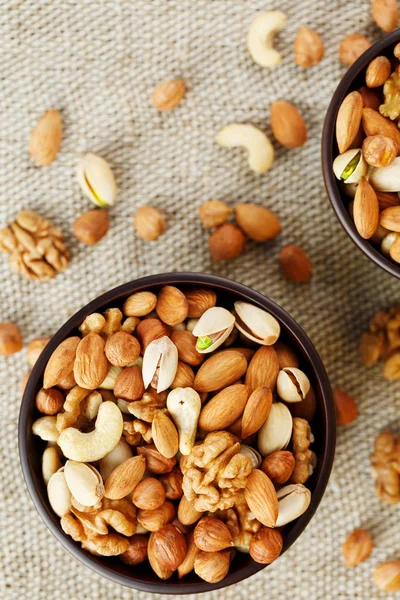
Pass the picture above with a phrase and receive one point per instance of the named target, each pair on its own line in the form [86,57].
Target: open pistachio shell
[350,166]
[59,493]
[213,328]
[97,180]
[276,432]
[293,501]
[386,179]
[256,324]
[84,481]
[252,454]
[160,363]
[292,384]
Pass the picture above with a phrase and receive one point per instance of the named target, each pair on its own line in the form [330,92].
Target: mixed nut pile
[168,426]
[368,165]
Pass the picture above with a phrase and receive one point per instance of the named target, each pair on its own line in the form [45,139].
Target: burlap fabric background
[97,61]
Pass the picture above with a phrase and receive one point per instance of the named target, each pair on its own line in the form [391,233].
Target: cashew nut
[46,428]
[92,405]
[50,463]
[59,494]
[184,406]
[260,149]
[260,37]
[88,447]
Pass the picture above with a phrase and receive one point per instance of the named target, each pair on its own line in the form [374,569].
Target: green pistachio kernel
[351,167]
[204,342]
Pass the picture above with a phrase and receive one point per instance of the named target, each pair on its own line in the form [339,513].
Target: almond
[374,123]
[222,410]
[261,498]
[387,576]
[61,362]
[371,97]
[365,209]
[385,14]
[149,223]
[184,376]
[165,435]
[357,547]
[185,342]
[263,369]
[121,349]
[199,300]
[379,151]
[187,514]
[91,365]
[212,535]
[258,222]
[92,226]
[288,125]
[129,384]
[155,461]
[153,520]
[149,494]
[348,120]
[295,264]
[306,408]
[49,402]
[286,356]
[139,304]
[352,46]
[168,94]
[220,370]
[377,72]
[308,47]
[45,138]
[386,199]
[214,213]
[149,330]
[124,478]
[390,218]
[167,547]
[172,306]
[256,411]
[227,242]
[346,408]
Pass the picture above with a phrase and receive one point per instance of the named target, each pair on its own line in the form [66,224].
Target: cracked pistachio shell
[213,321]
[162,355]
[59,493]
[252,454]
[386,179]
[292,384]
[293,501]
[341,162]
[97,180]
[276,432]
[256,324]
[84,481]
[184,406]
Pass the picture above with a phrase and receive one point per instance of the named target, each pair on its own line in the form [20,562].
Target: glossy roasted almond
[139,304]
[149,330]
[263,369]
[199,300]
[256,411]
[222,410]
[185,342]
[374,123]
[220,370]
[390,218]
[91,365]
[258,222]
[348,120]
[172,307]
[184,376]
[365,209]
[61,362]
[165,435]
[124,478]
[261,498]
[287,124]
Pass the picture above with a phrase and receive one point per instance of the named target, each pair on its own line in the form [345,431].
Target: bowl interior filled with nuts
[177,433]
[360,152]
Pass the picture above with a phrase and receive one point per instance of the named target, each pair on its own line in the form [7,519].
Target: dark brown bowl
[353,79]
[324,426]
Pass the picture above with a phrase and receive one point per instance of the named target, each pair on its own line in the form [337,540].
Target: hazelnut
[379,150]
[49,402]
[387,576]
[352,46]
[122,349]
[149,223]
[172,483]
[35,348]
[266,545]
[279,466]
[149,330]
[295,264]
[10,339]
[212,535]
[137,550]
[168,547]
[226,243]
[214,213]
[212,566]
[149,494]
[92,226]
[308,47]
[153,520]
[168,94]
[357,547]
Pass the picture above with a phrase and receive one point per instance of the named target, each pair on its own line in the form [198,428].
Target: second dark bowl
[353,79]
[324,428]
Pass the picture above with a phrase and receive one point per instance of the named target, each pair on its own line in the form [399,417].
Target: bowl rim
[328,138]
[115,294]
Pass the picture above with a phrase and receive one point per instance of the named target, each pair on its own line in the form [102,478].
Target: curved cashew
[50,463]
[184,406]
[46,428]
[260,37]
[88,447]
[260,149]
[59,494]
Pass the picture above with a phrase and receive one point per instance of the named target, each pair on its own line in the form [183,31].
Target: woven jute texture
[97,61]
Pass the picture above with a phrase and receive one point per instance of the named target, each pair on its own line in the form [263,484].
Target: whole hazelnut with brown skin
[137,550]
[279,466]
[387,576]
[92,226]
[149,223]
[227,242]
[35,348]
[213,213]
[149,494]
[49,402]
[266,545]
[10,339]
[357,547]
[172,483]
